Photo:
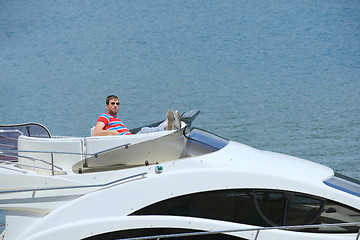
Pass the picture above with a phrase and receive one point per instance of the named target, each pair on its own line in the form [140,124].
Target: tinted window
[287,208]
[337,213]
[345,184]
[258,207]
[160,231]
[208,139]
[232,206]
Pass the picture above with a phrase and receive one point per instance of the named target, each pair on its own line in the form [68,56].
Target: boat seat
[101,143]
[43,160]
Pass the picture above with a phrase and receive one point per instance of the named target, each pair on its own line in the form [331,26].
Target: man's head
[112,105]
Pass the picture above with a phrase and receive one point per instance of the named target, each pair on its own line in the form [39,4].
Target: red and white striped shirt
[113,123]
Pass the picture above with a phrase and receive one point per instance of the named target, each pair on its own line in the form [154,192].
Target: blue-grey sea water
[277,75]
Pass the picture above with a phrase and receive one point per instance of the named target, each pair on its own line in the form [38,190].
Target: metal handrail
[126,145]
[30,158]
[159,237]
[16,170]
[10,131]
[75,153]
[11,153]
[30,166]
[143,174]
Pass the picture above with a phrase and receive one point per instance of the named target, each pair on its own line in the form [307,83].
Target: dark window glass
[232,206]
[270,204]
[287,208]
[303,210]
[345,184]
[259,207]
[147,232]
[338,213]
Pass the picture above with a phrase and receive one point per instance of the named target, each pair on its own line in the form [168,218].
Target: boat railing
[257,230]
[10,153]
[52,167]
[100,185]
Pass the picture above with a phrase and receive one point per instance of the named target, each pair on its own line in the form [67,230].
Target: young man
[109,124]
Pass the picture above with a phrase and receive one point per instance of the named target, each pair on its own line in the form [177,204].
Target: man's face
[113,106]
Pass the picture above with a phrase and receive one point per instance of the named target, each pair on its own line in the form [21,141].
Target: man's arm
[99,130]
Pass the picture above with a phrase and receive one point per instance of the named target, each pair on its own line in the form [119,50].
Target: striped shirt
[113,123]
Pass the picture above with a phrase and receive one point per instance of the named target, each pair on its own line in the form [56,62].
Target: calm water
[278,75]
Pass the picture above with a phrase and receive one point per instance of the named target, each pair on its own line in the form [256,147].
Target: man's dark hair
[111,97]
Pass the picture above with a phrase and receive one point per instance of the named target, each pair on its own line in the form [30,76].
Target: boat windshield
[206,139]
[9,137]
[344,184]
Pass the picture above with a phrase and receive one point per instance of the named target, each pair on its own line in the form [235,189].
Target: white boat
[187,182]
